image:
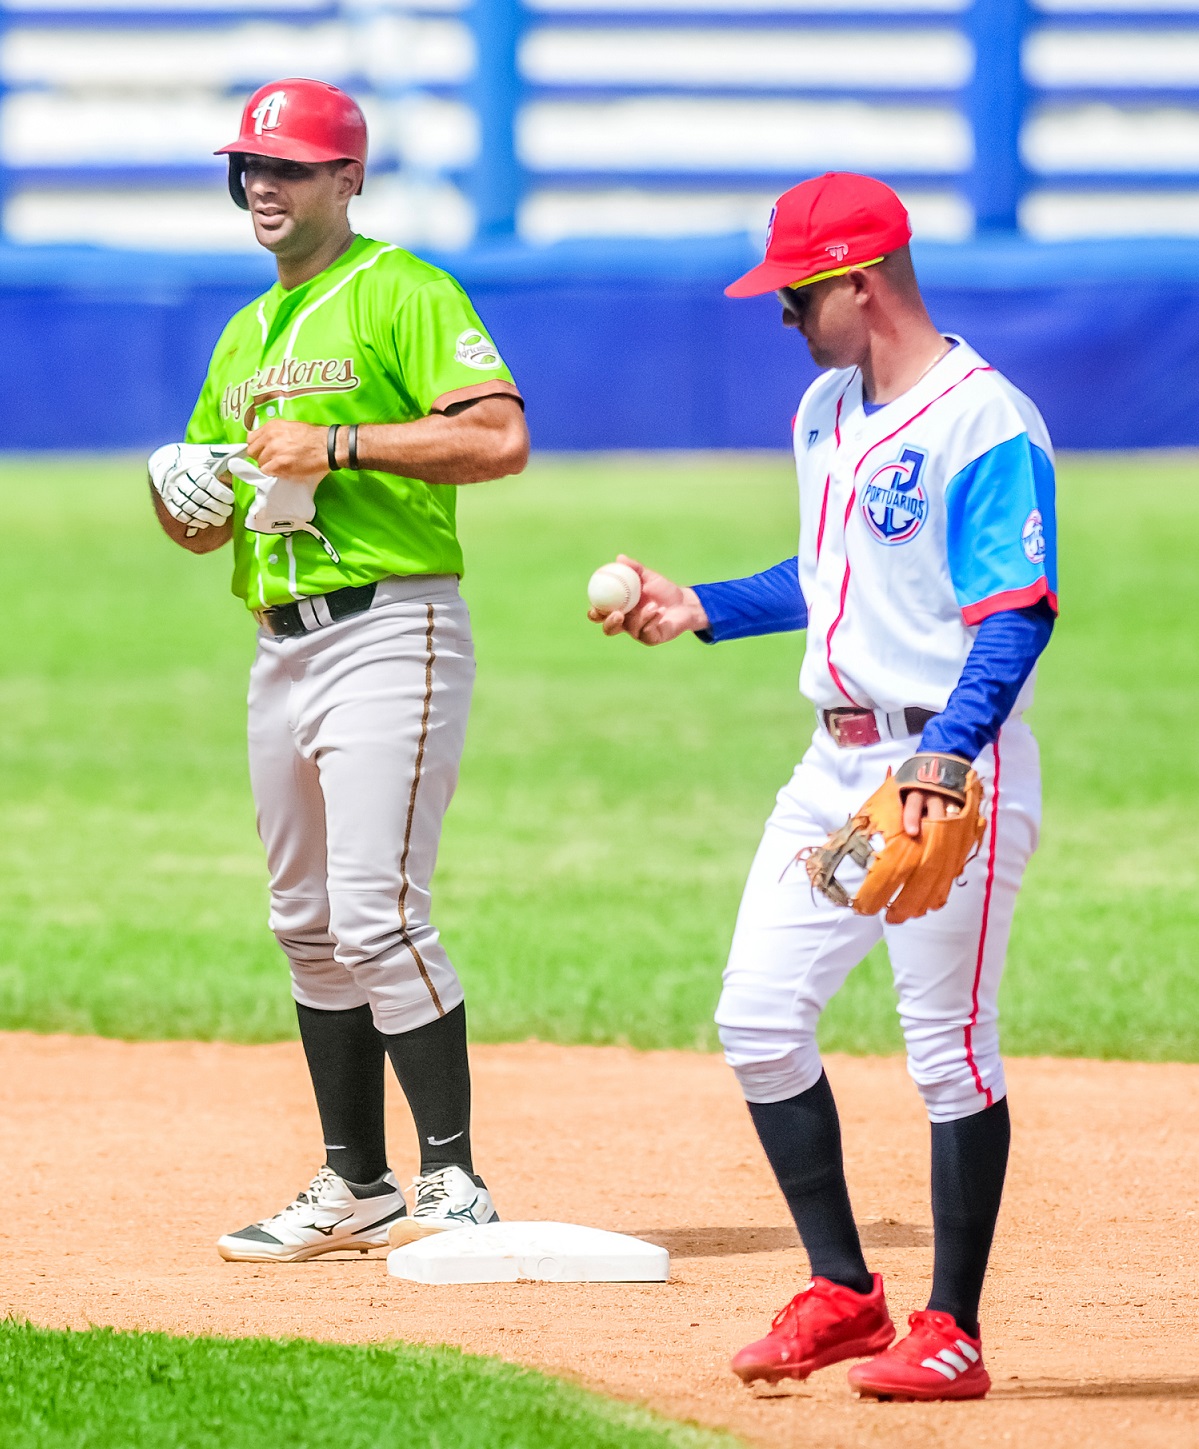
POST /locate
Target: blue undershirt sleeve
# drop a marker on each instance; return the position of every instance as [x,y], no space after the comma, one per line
[1005,649]
[766,603]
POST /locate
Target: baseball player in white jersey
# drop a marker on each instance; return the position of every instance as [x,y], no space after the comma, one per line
[332,405]
[926,580]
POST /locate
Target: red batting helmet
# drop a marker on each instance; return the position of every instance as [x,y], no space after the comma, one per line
[296,120]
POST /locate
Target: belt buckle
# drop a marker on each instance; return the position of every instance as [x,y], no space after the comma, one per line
[852,728]
[266,621]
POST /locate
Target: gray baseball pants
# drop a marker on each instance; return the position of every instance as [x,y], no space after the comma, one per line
[356,732]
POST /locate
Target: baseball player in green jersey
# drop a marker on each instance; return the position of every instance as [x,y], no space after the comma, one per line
[336,408]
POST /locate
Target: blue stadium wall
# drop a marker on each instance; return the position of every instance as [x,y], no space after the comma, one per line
[625,346]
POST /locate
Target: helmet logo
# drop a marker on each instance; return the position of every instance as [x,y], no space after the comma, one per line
[838,251]
[266,113]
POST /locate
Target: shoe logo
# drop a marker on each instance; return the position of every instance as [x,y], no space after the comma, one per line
[464,1214]
[952,1364]
[441,1141]
[326,1231]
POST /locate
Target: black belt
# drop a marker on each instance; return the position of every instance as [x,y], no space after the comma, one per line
[290,621]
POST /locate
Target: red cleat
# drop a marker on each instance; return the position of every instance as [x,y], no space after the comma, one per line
[823,1324]
[936,1361]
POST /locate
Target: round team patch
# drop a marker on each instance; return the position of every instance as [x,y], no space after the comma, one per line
[477,350]
[1032,537]
[894,503]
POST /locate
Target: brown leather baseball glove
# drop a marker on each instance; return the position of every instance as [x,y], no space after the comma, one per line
[905,877]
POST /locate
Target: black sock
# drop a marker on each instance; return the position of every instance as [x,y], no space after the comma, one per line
[802,1139]
[345,1060]
[969,1163]
[434,1072]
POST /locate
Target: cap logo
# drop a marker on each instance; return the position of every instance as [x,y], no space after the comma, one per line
[774,211]
[266,113]
[838,251]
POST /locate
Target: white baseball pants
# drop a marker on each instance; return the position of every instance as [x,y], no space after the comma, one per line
[792,949]
[356,731]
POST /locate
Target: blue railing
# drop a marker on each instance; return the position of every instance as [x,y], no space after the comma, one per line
[997,99]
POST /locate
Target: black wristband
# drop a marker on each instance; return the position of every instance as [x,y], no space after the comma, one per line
[353,445]
[331,446]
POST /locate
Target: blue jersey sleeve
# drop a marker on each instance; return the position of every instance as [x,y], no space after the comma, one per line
[1002,530]
[1001,658]
[766,603]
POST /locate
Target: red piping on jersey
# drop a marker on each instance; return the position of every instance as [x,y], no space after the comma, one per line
[832,669]
[982,367]
[982,937]
[1010,599]
[828,477]
[828,638]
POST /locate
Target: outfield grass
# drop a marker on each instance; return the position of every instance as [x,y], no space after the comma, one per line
[611,796]
[100,1388]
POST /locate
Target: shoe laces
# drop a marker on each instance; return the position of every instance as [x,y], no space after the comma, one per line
[306,1200]
[431,1191]
[810,1304]
[930,1330]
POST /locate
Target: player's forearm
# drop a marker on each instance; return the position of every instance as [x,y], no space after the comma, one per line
[1005,651]
[204,540]
[487,440]
[767,603]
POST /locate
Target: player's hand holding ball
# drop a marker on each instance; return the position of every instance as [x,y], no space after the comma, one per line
[614,587]
[628,598]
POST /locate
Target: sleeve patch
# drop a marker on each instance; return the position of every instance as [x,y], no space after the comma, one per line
[475,349]
[1032,537]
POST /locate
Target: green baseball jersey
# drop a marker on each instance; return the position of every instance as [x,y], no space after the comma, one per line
[378,337]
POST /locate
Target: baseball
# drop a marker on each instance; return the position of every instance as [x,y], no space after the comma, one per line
[614,586]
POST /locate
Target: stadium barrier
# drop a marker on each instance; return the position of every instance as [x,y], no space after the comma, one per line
[622,346]
[1008,125]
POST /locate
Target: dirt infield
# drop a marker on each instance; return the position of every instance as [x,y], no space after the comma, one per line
[125,1162]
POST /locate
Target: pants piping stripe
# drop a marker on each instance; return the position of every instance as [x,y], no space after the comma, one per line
[430,660]
[982,937]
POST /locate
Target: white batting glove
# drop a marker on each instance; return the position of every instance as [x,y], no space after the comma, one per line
[187,477]
[282,505]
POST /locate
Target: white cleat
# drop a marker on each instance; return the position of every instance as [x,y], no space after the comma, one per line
[447,1198]
[327,1217]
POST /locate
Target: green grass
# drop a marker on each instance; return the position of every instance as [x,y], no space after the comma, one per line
[100,1388]
[611,796]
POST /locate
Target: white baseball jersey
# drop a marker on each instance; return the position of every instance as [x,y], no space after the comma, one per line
[918,520]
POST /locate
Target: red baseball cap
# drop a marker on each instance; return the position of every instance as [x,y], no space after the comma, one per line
[823,228]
